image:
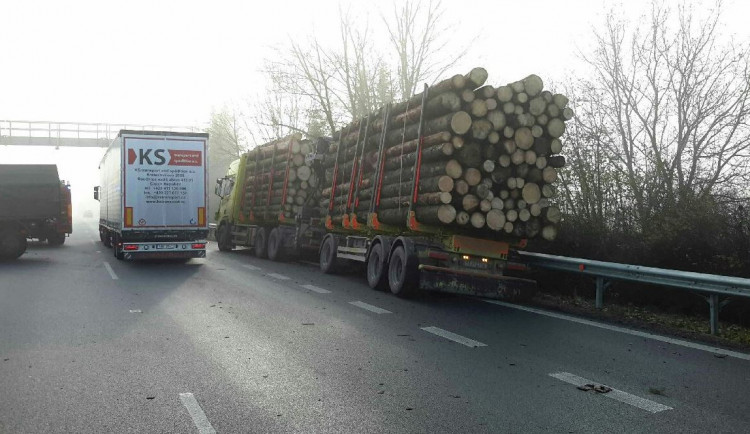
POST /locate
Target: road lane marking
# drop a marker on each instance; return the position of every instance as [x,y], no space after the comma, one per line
[251,267]
[111,271]
[317,289]
[371,308]
[454,337]
[613,328]
[277,276]
[617,395]
[196,413]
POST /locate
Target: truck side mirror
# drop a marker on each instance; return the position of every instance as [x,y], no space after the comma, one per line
[96,193]
[217,189]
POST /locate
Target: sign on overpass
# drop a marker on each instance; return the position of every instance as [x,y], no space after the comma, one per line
[75,134]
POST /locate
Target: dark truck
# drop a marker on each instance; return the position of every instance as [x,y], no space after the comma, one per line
[34,203]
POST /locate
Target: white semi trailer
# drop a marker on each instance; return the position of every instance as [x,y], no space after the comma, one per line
[152,195]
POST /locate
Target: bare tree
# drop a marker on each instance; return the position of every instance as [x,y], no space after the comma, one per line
[672,103]
[419,36]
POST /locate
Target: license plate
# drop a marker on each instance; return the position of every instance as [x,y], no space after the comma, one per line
[166,246]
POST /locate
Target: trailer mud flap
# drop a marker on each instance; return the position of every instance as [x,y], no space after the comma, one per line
[496,287]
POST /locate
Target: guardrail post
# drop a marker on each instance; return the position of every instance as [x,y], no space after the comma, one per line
[714,306]
[601,285]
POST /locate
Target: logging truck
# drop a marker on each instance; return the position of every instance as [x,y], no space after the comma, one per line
[435,192]
[34,203]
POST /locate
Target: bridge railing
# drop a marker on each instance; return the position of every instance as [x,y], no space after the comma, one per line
[55,131]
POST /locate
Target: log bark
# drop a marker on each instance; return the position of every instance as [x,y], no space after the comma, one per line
[411,145]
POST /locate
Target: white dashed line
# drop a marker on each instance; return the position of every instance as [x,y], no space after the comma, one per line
[277,276]
[369,307]
[251,267]
[317,289]
[196,413]
[454,337]
[111,271]
[640,334]
[617,395]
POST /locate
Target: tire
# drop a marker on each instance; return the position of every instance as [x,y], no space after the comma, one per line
[12,245]
[107,238]
[55,239]
[403,279]
[328,259]
[116,250]
[261,243]
[275,245]
[377,269]
[224,238]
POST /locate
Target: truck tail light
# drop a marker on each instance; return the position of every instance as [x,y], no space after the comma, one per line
[199,245]
[129,247]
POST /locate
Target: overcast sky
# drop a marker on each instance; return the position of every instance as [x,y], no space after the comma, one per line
[171,62]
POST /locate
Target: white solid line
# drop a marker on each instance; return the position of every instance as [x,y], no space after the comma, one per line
[613,328]
[251,267]
[618,395]
[317,289]
[111,271]
[369,307]
[454,337]
[196,413]
[278,276]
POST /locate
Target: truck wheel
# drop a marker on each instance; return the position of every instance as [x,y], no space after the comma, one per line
[107,238]
[12,245]
[275,245]
[224,239]
[116,249]
[55,239]
[328,255]
[260,244]
[402,274]
[377,274]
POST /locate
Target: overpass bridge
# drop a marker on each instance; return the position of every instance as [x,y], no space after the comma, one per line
[70,134]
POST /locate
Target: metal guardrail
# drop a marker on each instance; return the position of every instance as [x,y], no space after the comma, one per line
[53,133]
[715,286]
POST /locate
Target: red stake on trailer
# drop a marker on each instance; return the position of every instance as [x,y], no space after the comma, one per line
[411,221]
[286,179]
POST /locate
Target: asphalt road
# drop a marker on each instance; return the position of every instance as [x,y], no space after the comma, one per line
[235,344]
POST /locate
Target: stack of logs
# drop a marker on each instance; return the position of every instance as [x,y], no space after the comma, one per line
[279,179]
[489,160]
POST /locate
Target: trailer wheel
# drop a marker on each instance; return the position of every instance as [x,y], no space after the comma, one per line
[224,238]
[402,275]
[328,255]
[275,245]
[12,245]
[377,273]
[107,240]
[55,239]
[260,247]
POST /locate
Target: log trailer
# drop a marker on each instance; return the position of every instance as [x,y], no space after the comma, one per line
[34,203]
[413,251]
[265,203]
